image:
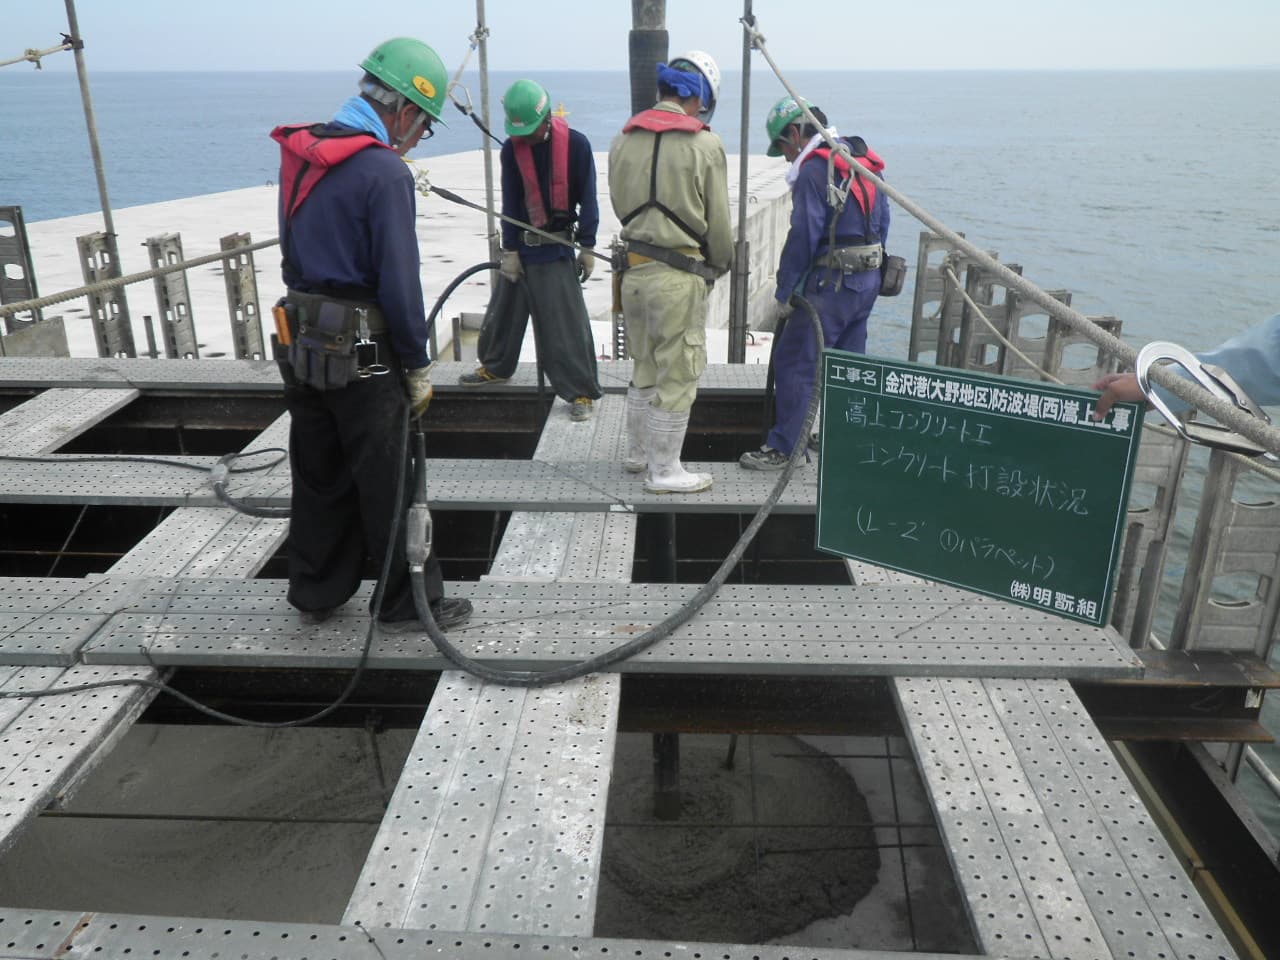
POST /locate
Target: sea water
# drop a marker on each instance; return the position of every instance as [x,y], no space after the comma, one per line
[1153,196]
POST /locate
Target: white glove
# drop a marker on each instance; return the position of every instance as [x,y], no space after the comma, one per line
[417,384]
[586,263]
[510,266]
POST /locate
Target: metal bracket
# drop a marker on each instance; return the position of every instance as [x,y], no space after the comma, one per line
[1214,379]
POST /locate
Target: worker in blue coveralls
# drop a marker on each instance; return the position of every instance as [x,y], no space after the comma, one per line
[1251,358]
[832,257]
[351,265]
[548,182]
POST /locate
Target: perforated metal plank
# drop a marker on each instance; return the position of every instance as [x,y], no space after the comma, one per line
[1022,898]
[490,827]
[258,376]
[57,416]
[452,485]
[44,622]
[138,481]
[542,867]
[1000,909]
[68,935]
[522,853]
[15,679]
[214,541]
[52,743]
[865,574]
[1131,880]
[518,643]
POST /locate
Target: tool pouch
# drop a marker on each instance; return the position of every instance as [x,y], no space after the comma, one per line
[892,274]
[323,353]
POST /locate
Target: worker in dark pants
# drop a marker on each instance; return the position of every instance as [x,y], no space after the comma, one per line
[549,182]
[355,326]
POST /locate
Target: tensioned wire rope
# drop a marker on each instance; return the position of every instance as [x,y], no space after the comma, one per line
[954,281]
[1246,425]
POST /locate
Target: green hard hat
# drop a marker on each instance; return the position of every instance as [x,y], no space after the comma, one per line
[526,104]
[784,113]
[411,69]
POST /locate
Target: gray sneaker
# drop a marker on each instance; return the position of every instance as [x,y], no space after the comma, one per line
[581,409]
[766,458]
[447,612]
[480,378]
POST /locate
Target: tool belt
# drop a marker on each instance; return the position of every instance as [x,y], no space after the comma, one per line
[531,239]
[682,258]
[327,340]
[850,259]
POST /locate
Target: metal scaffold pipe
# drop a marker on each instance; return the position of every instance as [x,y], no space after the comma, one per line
[91,125]
[482,39]
[739,274]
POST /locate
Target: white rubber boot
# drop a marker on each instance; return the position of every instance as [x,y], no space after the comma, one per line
[638,428]
[666,438]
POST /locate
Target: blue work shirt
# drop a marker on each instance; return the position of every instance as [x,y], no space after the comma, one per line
[355,237]
[811,228]
[582,199]
[1252,358]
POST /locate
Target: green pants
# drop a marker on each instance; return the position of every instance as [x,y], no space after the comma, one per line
[666,311]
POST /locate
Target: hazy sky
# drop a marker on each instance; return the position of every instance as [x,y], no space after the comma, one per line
[592,34]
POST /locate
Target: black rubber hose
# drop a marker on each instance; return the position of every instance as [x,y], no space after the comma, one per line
[662,630]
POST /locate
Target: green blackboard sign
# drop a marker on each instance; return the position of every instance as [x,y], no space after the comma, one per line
[1005,487]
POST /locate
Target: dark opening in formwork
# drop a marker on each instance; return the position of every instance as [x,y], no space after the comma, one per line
[818,838]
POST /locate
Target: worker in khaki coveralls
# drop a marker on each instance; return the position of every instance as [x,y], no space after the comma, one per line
[669,187]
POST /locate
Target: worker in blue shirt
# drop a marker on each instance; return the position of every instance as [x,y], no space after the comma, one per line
[832,257]
[354,325]
[548,182]
[1251,358]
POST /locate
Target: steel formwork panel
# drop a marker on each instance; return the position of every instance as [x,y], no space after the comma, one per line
[173,299]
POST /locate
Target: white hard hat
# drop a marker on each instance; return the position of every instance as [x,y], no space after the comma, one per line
[705,65]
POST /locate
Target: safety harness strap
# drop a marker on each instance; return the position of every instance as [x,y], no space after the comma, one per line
[533,200]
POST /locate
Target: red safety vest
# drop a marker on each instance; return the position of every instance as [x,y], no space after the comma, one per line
[660,121]
[866,192]
[533,202]
[308,152]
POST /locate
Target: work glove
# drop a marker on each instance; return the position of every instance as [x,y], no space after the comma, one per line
[586,263]
[510,266]
[417,384]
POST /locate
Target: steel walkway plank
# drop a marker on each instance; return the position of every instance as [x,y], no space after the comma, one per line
[871,630]
[57,416]
[1053,852]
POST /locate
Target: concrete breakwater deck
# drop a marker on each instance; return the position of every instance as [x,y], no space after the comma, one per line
[491,835]
[451,237]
